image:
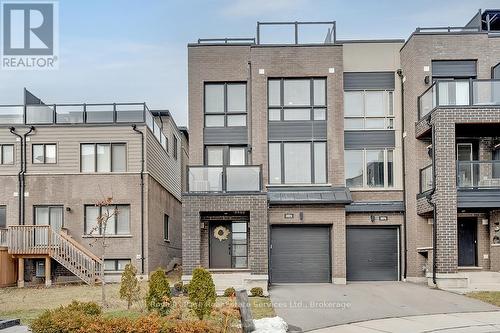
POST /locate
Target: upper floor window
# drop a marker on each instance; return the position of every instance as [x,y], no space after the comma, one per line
[176,149]
[369,168]
[49,215]
[103,157]
[368,110]
[225,104]
[225,155]
[166,227]
[6,154]
[3,217]
[44,153]
[297,99]
[118,224]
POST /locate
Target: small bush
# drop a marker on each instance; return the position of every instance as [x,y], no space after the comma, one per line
[256,292]
[129,287]
[185,288]
[201,293]
[229,292]
[178,286]
[158,297]
[66,319]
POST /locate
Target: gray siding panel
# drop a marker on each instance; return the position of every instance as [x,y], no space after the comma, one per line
[226,135]
[496,72]
[369,139]
[369,80]
[374,206]
[300,254]
[453,68]
[297,130]
[478,198]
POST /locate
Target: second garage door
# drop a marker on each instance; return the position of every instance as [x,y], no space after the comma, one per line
[372,254]
[300,254]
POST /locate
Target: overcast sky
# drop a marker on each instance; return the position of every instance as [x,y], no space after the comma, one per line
[135,51]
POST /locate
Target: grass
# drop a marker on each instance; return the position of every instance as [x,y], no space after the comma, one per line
[492,297]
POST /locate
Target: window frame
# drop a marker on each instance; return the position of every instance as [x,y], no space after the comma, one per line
[386,169]
[311,107]
[166,228]
[247,233]
[175,143]
[44,145]
[387,117]
[50,207]
[4,208]
[225,112]
[116,260]
[312,162]
[226,158]
[99,232]
[2,154]
[111,144]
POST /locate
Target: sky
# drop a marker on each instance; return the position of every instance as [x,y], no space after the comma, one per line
[136,51]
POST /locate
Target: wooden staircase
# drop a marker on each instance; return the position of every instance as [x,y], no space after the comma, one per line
[36,240]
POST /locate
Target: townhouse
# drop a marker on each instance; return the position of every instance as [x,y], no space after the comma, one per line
[58,161]
[309,159]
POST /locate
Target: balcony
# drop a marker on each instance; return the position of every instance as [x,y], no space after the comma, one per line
[426,179]
[478,175]
[453,93]
[224,179]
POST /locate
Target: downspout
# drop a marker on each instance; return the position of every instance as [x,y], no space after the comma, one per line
[19,177]
[430,201]
[405,243]
[23,176]
[249,120]
[134,127]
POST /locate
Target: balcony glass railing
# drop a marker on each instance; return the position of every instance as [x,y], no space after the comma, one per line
[446,93]
[426,179]
[478,174]
[222,179]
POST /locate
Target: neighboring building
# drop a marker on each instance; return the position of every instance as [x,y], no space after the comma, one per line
[59,160]
[296,157]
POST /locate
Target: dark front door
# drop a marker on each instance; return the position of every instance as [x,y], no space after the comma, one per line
[220,245]
[467,240]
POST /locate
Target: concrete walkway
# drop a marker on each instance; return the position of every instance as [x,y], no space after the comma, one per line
[308,307]
[470,322]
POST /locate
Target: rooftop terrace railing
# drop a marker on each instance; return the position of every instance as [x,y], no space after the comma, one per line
[453,93]
[447,29]
[299,31]
[226,40]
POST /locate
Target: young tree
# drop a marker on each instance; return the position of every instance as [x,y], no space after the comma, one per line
[129,287]
[158,297]
[201,293]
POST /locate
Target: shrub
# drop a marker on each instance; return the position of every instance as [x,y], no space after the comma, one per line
[158,297]
[178,286]
[201,293]
[129,288]
[185,288]
[256,292]
[229,292]
[66,319]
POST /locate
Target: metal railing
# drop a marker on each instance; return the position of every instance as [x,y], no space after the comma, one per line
[224,179]
[330,36]
[426,179]
[478,174]
[449,29]
[3,237]
[452,93]
[228,40]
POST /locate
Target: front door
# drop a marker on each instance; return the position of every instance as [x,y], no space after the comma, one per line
[467,241]
[220,244]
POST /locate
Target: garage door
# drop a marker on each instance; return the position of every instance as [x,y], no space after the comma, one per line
[300,254]
[372,254]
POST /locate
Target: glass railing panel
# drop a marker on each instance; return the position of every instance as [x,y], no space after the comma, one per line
[243,179]
[428,101]
[129,113]
[453,93]
[39,114]
[486,92]
[426,179]
[11,114]
[69,114]
[149,120]
[205,179]
[478,174]
[100,113]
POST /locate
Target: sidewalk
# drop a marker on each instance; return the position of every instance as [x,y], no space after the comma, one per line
[470,322]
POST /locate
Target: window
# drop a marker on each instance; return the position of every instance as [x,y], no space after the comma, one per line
[369,168]
[43,153]
[6,154]
[166,235]
[368,110]
[297,163]
[225,104]
[297,99]
[118,224]
[3,217]
[175,143]
[49,215]
[225,155]
[103,157]
[239,251]
[115,265]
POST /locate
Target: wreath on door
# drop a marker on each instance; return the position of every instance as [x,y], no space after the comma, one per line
[221,233]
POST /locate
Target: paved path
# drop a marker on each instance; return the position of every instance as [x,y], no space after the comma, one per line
[16,329]
[470,322]
[315,306]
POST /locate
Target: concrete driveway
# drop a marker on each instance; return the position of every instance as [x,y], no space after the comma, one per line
[312,306]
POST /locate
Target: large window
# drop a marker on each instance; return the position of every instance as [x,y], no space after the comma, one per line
[369,168]
[368,110]
[3,217]
[118,224]
[44,153]
[225,155]
[49,215]
[103,157]
[115,265]
[225,104]
[297,99]
[6,154]
[297,163]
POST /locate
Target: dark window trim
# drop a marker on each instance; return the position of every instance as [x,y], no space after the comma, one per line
[110,157]
[4,208]
[225,153]
[493,71]
[44,153]
[2,153]
[247,232]
[100,212]
[225,113]
[386,169]
[175,143]
[166,228]
[49,207]
[282,107]
[116,264]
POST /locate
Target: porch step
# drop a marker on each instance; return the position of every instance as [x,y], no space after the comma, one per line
[485,277]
